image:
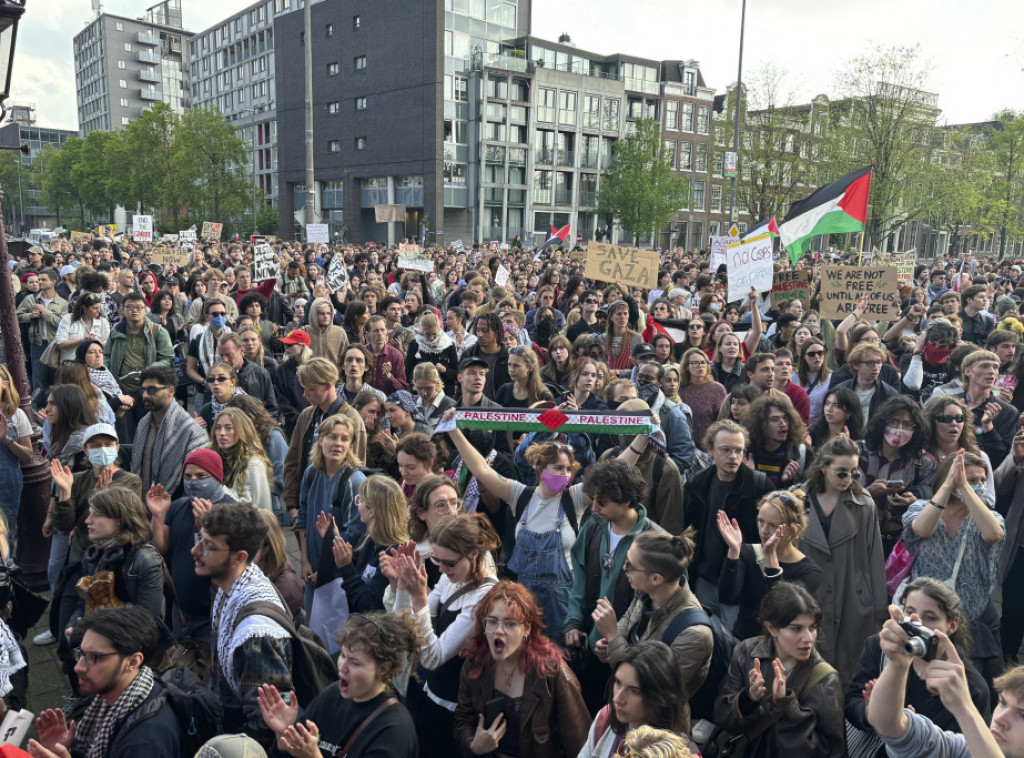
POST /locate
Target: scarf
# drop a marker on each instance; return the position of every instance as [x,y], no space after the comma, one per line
[208,348]
[251,587]
[439,344]
[218,406]
[11,659]
[936,356]
[404,400]
[104,381]
[471,492]
[96,729]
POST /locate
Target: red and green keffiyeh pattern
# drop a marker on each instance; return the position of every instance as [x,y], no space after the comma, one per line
[554,420]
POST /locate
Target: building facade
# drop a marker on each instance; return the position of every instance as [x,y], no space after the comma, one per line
[123,66]
[22,129]
[231,69]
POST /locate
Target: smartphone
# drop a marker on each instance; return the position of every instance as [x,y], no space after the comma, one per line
[492,709]
[896,484]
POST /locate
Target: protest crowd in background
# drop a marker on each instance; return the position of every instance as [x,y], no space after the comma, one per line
[538,513]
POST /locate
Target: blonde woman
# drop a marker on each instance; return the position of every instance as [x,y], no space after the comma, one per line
[15,445]
[434,347]
[430,394]
[699,391]
[527,386]
[382,508]
[247,469]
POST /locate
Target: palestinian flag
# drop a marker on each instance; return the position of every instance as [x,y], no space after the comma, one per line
[675,328]
[554,420]
[763,227]
[836,208]
[558,237]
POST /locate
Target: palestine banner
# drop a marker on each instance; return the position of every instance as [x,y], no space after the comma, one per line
[762,227]
[836,208]
[554,420]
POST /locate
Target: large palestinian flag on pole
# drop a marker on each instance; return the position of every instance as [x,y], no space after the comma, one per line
[836,208]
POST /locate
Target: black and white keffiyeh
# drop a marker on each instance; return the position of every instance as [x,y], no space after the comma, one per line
[96,728]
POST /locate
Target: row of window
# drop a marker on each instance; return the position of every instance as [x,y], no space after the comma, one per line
[334,146]
[358,64]
[685,123]
[685,156]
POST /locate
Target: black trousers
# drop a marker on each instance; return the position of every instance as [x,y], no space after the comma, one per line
[1011,627]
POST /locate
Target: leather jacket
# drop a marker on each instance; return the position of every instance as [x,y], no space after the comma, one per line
[139,575]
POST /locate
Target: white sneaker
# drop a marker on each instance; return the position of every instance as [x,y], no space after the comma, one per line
[44,638]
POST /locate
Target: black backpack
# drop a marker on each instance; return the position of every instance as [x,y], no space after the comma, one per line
[198,710]
[702,702]
[313,669]
[567,505]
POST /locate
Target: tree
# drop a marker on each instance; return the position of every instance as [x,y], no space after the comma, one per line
[883,114]
[56,191]
[15,180]
[1005,198]
[638,188]
[146,151]
[954,183]
[98,170]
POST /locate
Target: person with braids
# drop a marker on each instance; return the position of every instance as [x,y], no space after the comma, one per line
[939,608]
[461,547]
[248,473]
[509,661]
[655,567]
[843,539]
[375,647]
[751,570]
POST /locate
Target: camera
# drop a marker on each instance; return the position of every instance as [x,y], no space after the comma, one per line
[923,642]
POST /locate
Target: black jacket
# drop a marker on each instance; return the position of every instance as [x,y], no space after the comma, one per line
[883,391]
[255,380]
[288,392]
[158,738]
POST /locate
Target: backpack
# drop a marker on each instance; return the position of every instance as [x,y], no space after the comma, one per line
[198,710]
[313,669]
[702,702]
[567,506]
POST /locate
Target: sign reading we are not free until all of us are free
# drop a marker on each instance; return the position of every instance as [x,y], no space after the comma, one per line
[842,286]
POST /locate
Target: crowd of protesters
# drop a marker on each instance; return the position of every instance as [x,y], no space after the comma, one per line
[812,551]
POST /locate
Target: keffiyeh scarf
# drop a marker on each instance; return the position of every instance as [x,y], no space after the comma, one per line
[104,381]
[97,726]
[439,344]
[218,406]
[11,659]
[404,400]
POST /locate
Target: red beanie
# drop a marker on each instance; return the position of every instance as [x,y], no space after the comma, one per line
[208,460]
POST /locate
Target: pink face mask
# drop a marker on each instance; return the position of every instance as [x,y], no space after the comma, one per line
[555,482]
[897,437]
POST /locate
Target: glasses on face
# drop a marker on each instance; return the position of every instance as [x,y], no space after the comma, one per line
[206,547]
[907,426]
[948,418]
[134,308]
[150,391]
[217,379]
[508,626]
[445,506]
[447,564]
[629,568]
[814,353]
[695,327]
[871,364]
[90,658]
[590,301]
[697,364]
[213,314]
[843,474]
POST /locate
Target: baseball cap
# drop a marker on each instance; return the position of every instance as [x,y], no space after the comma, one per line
[96,430]
[231,746]
[298,337]
[68,269]
[472,360]
[643,349]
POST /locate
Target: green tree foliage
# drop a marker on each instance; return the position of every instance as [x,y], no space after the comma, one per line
[638,188]
[97,172]
[1004,200]
[56,191]
[208,161]
[16,180]
[954,183]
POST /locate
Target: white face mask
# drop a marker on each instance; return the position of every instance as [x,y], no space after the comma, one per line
[102,457]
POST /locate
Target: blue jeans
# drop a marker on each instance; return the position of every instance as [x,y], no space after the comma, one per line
[42,375]
[59,544]
[539,563]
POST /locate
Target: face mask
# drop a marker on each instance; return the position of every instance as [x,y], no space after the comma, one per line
[713,307]
[102,457]
[897,437]
[218,322]
[555,482]
[207,489]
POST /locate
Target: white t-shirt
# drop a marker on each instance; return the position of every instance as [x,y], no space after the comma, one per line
[542,514]
[20,422]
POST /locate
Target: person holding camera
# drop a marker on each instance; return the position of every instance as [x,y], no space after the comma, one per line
[907,734]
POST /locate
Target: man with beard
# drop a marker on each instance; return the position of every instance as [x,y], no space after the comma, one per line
[110,668]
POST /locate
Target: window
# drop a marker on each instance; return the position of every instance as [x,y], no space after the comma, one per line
[333,69]
[123,83]
[716,198]
[360,103]
[567,108]
[127,47]
[670,152]
[461,89]
[672,114]
[497,88]
[686,156]
[359,62]
[355,23]
[124,120]
[333,146]
[360,143]
[701,157]
[687,123]
[703,120]
[333,108]
[592,112]
[697,195]
[121,65]
[546,101]
[610,120]
[690,83]
[119,26]
[329,30]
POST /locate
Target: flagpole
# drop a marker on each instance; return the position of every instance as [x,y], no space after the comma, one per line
[863,234]
[736,115]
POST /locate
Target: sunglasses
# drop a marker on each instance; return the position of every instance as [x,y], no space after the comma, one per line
[947,418]
[844,475]
[442,562]
[814,353]
[517,351]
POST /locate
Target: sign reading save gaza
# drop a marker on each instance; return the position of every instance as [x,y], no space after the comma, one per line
[630,265]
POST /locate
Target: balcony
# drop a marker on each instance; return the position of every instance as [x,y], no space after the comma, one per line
[494,154]
[546,156]
[542,197]
[505,62]
[450,151]
[588,160]
[496,112]
[149,76]
[517,197]
[565,157]
[147,56]
[516,157]
[588,198]
[151,93]
[147,38]
[639,85]
[563,197]
[494,195]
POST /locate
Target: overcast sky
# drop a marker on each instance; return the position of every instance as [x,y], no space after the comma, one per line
[976,57]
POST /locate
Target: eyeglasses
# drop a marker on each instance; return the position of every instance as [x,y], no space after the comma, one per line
[211,314]
[947,418]
[814,353]
[871,364]
[844,475]
[508,626]
[517,351]
[153,390]
[697,364]
[134,309]
[217,379]
[206,547]
[369,621]
[629,568]
[590,301]
[695,327]
[444,506]
[447,564]
[91,659]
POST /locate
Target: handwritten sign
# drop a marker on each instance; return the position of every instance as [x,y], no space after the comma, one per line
[749,264]
[905,264]
[415,263]
[337,274]
[108,230]
[170,256]
[719,244]
[318,233]
[409,250]
[791,285]
[212,230]
[459,246]
[842,285]
[501,276]
[187,236]
[616,263]
[142,228]
[263,266]
[80,238]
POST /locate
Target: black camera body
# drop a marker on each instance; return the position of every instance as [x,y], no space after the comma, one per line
[923,642]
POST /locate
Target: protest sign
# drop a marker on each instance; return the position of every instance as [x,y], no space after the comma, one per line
[212,230]
[80,238]
[168,238]
[318,233]
[501,276]
[719,243]
[409,250]
[494,245]
[263,266]
[107,230]
[388,214]
[187,235]
[337,274]
[905,263]
[617,263]
[842,285]
[170,256]
[750,265]
[577,254]
[415,262]
[458,246]
[791,285]
[142,228]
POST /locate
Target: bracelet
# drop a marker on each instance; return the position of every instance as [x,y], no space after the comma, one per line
[913,354]
[633,450]
[933,503]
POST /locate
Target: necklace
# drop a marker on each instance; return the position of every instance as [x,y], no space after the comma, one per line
[508,677]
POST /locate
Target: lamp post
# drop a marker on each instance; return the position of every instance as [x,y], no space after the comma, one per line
[736,117]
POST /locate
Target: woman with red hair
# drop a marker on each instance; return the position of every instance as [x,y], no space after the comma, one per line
[519,679]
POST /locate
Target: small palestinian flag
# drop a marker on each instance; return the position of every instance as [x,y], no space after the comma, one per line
[675,328]
[836,208]
[554,420]
[762,227]
[558,237]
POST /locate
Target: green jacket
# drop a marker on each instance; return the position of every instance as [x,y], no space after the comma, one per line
[54,312]
[159,351]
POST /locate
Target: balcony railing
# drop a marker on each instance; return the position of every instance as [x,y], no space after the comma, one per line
[506,62]
[563,197]
[151,93]
[147,56]
[516,157]
[517,197]
[149,76]
[565,157]
[494,195]
[494,154]
[542,197]
[546,156]
[588,199]
[588,160]
[147,38]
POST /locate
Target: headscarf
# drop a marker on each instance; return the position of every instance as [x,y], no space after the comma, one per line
[404,400]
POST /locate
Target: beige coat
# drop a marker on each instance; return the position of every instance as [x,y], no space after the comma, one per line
[329,343]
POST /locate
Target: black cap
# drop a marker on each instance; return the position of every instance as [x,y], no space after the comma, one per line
[472,360]
[643,349]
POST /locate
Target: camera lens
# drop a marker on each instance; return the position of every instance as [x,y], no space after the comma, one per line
[915,646]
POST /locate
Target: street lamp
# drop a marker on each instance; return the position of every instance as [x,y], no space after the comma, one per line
[736,115]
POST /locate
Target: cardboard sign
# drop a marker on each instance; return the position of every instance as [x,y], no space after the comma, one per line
[749,264]
[108,230]
[719,244]
[459,246]
[170,256]
[409,250]
[790,285]
[501,276]
[318,233]
[337,274]
[419,263]
[905,264]
[842,285]
[187,235]
[263,266]
[212,230]
[168,238]
[617,263]
[389,214]
[80,238]
[142,228]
